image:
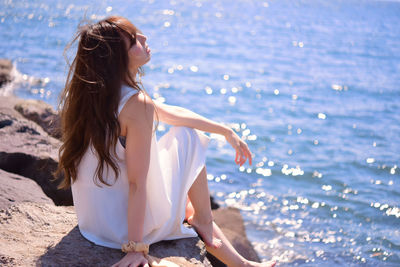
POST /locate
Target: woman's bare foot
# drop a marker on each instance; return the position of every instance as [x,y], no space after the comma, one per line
[205,231]
[262,264]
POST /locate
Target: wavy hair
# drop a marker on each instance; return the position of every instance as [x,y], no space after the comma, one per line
[89,102]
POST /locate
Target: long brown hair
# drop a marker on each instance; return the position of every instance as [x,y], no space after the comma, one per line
[89,101]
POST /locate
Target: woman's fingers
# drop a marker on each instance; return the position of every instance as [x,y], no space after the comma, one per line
[131,261]
[242,159]
[237,157]
[242,153]
[248,153]
[245,154]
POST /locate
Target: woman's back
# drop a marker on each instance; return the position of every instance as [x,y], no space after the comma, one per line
[175,162]
[101,211]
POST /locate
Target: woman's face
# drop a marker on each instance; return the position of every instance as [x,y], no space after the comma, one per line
[138,52]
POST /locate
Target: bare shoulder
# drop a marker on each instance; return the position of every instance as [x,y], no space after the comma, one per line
[137,112]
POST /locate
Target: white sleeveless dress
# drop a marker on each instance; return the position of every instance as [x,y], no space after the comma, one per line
[175,162]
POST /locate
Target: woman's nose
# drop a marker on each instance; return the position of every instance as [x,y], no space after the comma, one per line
[142,37]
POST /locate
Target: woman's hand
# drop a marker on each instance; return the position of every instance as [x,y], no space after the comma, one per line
[242,150]
[132,259]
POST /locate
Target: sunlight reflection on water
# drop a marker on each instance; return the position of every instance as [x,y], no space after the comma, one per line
[315,96]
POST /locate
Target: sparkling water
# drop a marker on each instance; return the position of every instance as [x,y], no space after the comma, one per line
[312,86]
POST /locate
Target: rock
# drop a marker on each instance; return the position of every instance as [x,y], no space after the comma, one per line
[33,234]
[231,223]
[41,113]
[5,71]
[176,250]
[214,204]
[15,189]
[27,150]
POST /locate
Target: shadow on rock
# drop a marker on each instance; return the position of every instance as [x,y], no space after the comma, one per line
[75,250]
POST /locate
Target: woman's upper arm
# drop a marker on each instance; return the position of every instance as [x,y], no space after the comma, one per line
[138,120]
[166,113]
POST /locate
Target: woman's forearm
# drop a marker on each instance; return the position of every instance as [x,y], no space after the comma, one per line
[136,212]
[179,116]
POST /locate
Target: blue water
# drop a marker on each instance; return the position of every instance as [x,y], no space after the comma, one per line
[313,86]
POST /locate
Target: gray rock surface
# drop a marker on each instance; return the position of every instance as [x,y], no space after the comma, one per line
[41,113]
[26,149]
[47,235]
[15,189]
[5,71]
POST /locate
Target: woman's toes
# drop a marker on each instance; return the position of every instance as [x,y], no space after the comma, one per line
[268,264]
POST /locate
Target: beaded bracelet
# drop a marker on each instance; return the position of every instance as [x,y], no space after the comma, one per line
[135,246]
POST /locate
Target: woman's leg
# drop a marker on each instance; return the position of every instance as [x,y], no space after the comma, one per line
[200,217]
[229,255]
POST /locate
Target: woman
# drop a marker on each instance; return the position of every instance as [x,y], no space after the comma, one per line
[129,189]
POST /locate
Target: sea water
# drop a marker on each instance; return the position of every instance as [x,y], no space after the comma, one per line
[312,86]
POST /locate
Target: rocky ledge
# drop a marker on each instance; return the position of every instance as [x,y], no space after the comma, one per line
[5,71]
[38,224]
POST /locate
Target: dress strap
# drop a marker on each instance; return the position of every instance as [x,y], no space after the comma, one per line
[126,93]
